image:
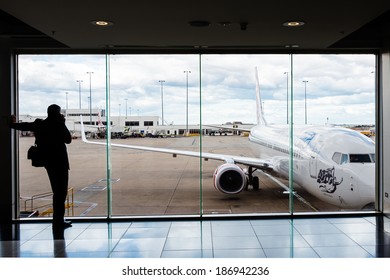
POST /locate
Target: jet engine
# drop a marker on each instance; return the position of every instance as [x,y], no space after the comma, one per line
[229,178]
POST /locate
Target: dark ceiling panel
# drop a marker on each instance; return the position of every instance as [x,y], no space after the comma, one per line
[372,35]
[155,24]
[23,35]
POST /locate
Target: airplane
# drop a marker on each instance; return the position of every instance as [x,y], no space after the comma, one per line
[334,164]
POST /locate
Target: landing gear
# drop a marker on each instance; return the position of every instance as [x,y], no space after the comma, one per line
[255,183]
[253,180]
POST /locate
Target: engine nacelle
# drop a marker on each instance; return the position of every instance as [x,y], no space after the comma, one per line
[229,178]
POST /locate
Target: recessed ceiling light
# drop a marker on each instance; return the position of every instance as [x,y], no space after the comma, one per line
[102,23]
[293,23]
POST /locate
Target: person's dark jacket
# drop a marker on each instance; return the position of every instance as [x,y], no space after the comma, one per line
[51,135]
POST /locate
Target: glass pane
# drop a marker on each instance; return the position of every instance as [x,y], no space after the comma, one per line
[152,106]
[246,138]
[170,102]
[334,128]
[77,84]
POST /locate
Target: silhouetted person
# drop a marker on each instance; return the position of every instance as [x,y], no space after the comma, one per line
[51,135]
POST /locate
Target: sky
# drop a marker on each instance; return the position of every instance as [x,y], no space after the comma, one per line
[340,89]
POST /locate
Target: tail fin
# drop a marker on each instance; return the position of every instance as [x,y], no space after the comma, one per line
[100,124]
[82,129]
[259,105]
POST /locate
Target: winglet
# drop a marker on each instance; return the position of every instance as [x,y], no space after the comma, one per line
[259,106]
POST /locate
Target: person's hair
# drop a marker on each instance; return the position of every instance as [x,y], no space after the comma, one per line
[53,110]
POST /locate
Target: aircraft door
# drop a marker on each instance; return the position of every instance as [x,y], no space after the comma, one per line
[313,167]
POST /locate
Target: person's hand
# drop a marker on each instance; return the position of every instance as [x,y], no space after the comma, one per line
[13,119]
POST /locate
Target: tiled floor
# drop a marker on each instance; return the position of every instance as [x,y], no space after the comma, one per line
[357,237]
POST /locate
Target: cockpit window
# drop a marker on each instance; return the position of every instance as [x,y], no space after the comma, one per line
[340,158]
[344,159]
[336,157]
[362,158]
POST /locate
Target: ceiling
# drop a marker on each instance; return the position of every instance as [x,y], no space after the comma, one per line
[243,24]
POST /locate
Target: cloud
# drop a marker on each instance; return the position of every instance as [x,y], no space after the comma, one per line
[339,86]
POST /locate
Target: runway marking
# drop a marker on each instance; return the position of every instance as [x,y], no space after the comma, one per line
[94,188]
[89,209]
[97,187]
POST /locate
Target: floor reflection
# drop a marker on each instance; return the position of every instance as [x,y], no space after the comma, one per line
[59,243]
[351,237]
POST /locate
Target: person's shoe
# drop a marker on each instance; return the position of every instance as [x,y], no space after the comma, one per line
[64,224]
[67,224]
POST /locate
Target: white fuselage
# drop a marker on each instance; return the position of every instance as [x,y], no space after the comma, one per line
[337,165]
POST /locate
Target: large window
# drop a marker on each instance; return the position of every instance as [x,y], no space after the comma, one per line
[205,134]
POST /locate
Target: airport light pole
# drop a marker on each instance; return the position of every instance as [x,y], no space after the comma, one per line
[187,72]
[126,107]
[66,94]
[305,102]
[286,73]
[79,81]
[90,97]
[162,101]
[119,121]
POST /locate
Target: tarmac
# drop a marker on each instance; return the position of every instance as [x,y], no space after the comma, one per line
[155,184]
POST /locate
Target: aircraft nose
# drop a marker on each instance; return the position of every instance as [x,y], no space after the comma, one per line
[366,182]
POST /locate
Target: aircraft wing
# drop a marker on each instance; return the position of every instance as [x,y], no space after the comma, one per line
[229,128]
[252,162]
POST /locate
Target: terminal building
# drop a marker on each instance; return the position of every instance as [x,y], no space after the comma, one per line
[134,125]
[197,225]
[96,117]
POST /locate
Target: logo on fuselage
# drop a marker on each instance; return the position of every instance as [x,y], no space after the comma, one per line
[327,180]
